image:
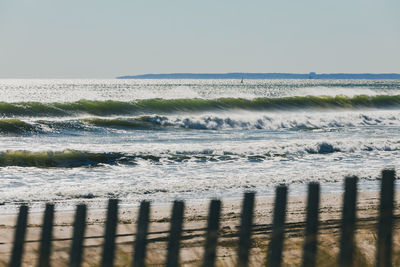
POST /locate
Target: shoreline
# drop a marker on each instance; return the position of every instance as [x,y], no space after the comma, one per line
[100,203]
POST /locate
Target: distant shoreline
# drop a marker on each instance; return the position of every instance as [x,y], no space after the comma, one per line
[242,75]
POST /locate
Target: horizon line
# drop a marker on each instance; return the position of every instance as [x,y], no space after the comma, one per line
[210,73]
[260,75]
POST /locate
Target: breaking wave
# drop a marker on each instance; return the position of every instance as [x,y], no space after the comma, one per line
[15,126]
[166,106]
[76,158]
[66,158]
[273,122]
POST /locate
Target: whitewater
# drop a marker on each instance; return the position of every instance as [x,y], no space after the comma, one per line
[71,141]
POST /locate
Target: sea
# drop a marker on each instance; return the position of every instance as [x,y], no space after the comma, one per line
[87,140]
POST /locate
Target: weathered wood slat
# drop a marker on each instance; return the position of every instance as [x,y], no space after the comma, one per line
[19,237]
[385,221]
[47,230]
[348,222]
[210,248]
[110,231]
[175,234]
[76,252]
[246,225]
[141,235]
[274,258]
[311,231]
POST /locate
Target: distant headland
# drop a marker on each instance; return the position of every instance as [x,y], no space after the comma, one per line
[242,75]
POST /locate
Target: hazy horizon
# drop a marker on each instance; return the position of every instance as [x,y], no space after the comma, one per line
[100,39]
[122,76]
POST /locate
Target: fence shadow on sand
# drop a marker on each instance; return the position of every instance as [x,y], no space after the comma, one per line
[276,237]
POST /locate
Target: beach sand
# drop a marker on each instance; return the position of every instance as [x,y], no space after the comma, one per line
[193,235]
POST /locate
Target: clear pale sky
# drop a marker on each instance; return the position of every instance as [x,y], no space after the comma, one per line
[104,39]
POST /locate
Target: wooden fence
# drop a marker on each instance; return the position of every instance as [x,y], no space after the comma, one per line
[275,248]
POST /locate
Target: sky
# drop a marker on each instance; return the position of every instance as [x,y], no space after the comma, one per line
[105,39]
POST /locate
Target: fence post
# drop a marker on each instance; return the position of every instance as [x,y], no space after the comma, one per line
[311,232]
[110,231]
[47,230]
[246,225]
[175,234]
[75,259]
[385,224]
[19,237]
[139,256]
[275,247]
[348,222]
[212,233]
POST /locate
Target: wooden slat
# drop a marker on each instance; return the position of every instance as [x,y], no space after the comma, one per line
[76,252]
[212,233]
[19,237]
[47,230]
[110,231]
[348,222]
[311,231]
[141,235]
[175,234]
[385,223]
[274,258]
[246,225]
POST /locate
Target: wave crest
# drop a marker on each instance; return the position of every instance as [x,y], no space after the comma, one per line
[66,158]
[166,106]
[272,122]
[76,158]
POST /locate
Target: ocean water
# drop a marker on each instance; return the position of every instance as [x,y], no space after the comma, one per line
[70,141]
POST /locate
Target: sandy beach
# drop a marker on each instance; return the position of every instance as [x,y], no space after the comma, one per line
[194,224]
